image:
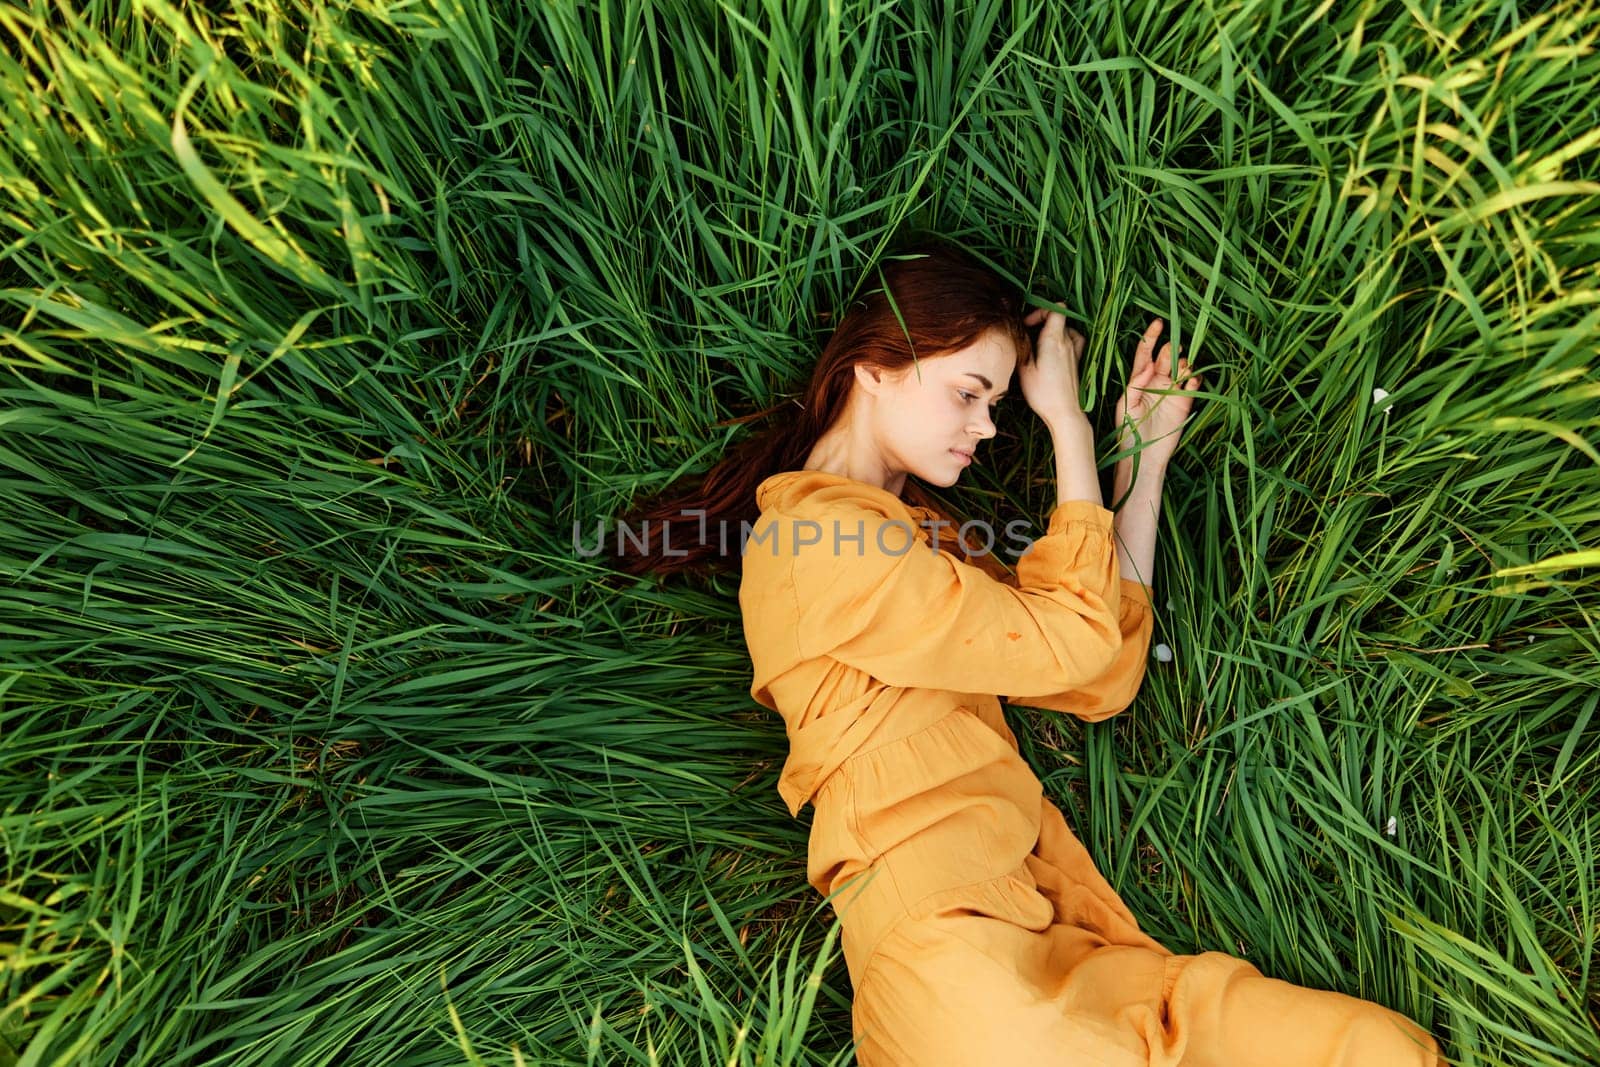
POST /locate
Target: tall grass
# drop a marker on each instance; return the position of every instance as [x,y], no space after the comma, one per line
[321,324]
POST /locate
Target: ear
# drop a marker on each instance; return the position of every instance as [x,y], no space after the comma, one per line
[871,377]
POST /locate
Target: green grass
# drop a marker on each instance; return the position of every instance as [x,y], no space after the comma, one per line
[320,325]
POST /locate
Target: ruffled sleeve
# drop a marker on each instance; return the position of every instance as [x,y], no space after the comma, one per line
[891,607]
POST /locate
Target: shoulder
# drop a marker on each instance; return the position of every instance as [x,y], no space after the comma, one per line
[813,520]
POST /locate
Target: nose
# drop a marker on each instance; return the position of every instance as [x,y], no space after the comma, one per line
[982,425]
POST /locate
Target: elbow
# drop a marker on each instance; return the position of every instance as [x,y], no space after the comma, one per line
[1122,676]
[1087,657]
[1114,700]
[1108,691]
[1106,651]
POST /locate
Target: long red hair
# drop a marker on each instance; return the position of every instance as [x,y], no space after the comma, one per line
[943,299]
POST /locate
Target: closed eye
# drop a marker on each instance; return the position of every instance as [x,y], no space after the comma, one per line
[967,398]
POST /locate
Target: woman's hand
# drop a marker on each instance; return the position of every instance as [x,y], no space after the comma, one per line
[1152,419]
[1144,414]
[1050,381]
[1050,384]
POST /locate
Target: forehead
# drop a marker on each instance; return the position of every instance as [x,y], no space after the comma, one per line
[991,355]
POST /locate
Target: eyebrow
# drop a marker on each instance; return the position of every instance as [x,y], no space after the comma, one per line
[987,384]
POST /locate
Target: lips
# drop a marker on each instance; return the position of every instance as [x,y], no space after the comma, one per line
[963,454]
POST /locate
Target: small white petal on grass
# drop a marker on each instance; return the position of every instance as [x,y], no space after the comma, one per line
[1378,397]
[1164,653]
[1393,826]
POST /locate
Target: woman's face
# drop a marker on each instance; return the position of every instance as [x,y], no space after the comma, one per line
[925,416]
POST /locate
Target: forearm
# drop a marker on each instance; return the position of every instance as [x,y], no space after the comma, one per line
[1076,478]
[1137,520]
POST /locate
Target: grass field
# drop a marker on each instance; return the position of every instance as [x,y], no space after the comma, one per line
[322,323]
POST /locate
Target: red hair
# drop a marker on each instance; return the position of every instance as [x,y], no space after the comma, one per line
[943,300]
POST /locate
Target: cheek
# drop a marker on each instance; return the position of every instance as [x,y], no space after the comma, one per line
[928,415]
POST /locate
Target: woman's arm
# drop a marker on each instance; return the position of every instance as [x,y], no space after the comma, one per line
[1134,540]
[1050,384]
[1150,418]
[1073,438]
[1138,519]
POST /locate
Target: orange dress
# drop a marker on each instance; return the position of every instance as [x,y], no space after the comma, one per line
[975,926]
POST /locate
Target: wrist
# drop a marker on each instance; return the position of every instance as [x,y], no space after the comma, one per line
[1069,424]
[1151,479]
[1150,471]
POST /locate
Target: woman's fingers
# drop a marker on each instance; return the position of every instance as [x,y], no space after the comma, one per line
[1039,314]
[1187,377]
[1147,345]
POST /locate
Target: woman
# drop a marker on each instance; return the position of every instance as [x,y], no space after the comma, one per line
[975,927]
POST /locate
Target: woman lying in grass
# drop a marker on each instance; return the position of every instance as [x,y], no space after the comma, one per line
[976,928]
